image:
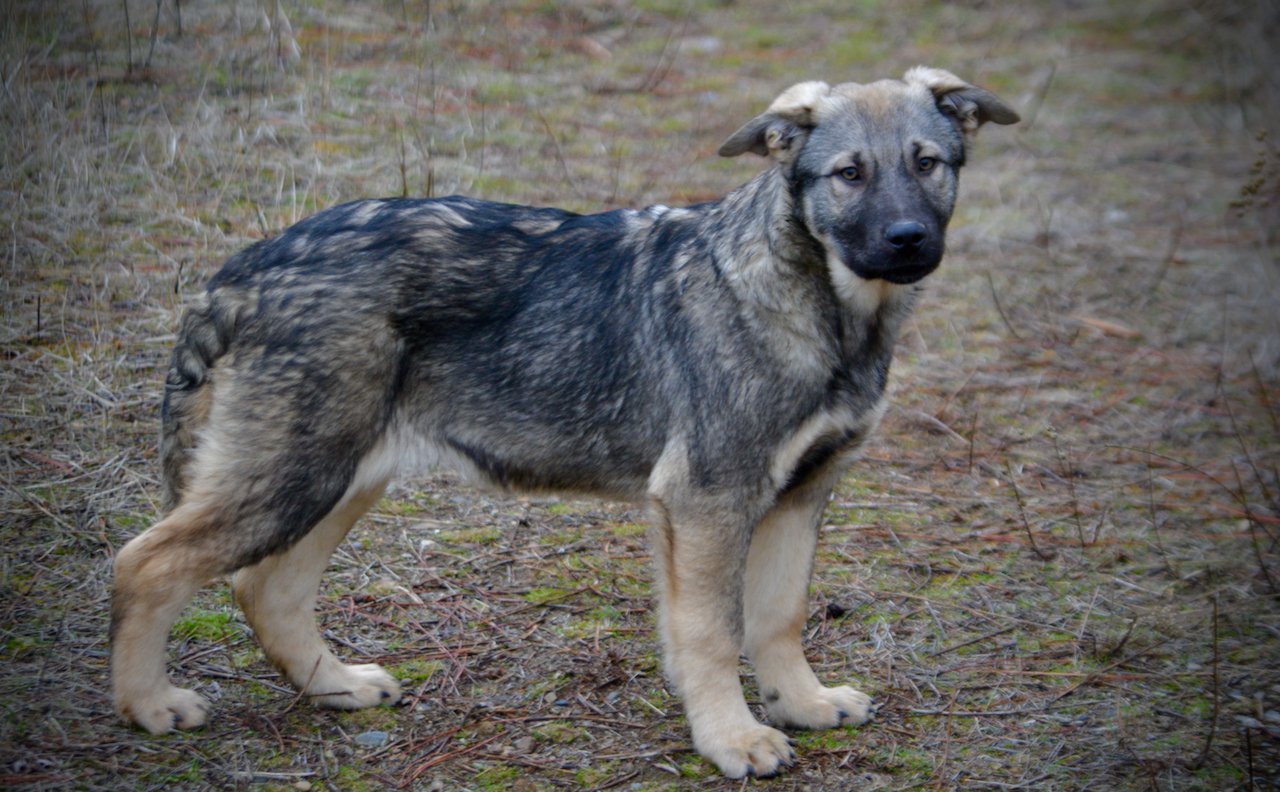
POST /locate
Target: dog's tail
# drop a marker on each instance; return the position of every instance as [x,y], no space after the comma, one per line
[208,327]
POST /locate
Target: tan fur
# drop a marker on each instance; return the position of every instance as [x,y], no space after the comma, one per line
[775,605]
[278,595]
[156,574]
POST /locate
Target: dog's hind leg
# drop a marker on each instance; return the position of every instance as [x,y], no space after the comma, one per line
[775,599]
[278,595]
[156,574]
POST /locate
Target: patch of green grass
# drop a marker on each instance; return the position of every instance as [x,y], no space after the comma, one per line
[351,779]
[260,692]
[212,626]
[821,740]
[558,732]
[599,620]
[484,535]
[496,777]
[191,773]
[561,538]
[595,775]
[697,768]
[544,595]
[630,529]
[21,645]
[380,718]
[415,672]
[396,507]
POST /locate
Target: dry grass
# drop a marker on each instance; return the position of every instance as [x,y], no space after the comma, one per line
[1058,569]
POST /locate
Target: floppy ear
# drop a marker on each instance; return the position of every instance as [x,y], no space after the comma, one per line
[779,131]
[968,105]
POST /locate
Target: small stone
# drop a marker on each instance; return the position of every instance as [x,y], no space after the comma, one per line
[372,739]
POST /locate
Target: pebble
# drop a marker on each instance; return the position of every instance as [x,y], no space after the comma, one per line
[372,739]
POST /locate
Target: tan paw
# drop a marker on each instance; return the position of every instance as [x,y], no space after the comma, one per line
[165,709]
[339,686]
[758,751]
[821,708]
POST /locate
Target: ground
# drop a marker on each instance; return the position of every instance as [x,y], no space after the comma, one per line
[1058,566]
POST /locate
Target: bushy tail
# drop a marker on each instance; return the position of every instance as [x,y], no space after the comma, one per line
[208,327]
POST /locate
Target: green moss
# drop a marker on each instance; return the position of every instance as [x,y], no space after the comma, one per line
[399,508]
[594,776]
[496,777]
[544,595]
[415,672]
[22,645]
[212,626]
[350,779]
[482,536]
[630,529]
[379,718]
[559,732]
[697,768]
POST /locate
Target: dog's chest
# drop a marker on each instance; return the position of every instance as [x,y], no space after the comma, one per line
[830,436]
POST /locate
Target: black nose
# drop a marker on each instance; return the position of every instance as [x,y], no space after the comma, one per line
[906,234]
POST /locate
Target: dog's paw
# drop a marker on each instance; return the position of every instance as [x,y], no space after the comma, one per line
[822,708]
[759,751]
[339,686]
[161,711]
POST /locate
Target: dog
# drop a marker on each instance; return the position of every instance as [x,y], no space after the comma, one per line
[722,362]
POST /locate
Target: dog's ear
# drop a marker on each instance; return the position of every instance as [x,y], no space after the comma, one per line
[780,131]
[968,105]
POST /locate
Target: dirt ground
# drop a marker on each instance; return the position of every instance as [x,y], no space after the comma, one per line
[1058,566]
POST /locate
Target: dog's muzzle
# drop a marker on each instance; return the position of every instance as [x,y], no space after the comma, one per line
[906,251]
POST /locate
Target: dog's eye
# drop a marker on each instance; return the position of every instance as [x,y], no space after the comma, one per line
[850,174]
[926,164]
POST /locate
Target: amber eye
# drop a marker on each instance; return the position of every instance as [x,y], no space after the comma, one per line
[850,174]
[926,164]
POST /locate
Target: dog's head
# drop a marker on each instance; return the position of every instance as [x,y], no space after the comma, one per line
[874,167]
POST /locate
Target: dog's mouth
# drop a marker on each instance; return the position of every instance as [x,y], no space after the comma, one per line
[893,269]
[903,274]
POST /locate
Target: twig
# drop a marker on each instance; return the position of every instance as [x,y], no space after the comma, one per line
[1022,511]
[555,143]
[1213,723]
[1124,639]
[128,38]
[940,772]
[937,424]
[155,27]
[1069,477]
[1041,92]
[416,772]
[1000,309]
[1155,522]
[1263,397]
[979,639]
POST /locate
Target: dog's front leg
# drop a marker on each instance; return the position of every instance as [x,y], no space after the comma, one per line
[776,603]
[700,558]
